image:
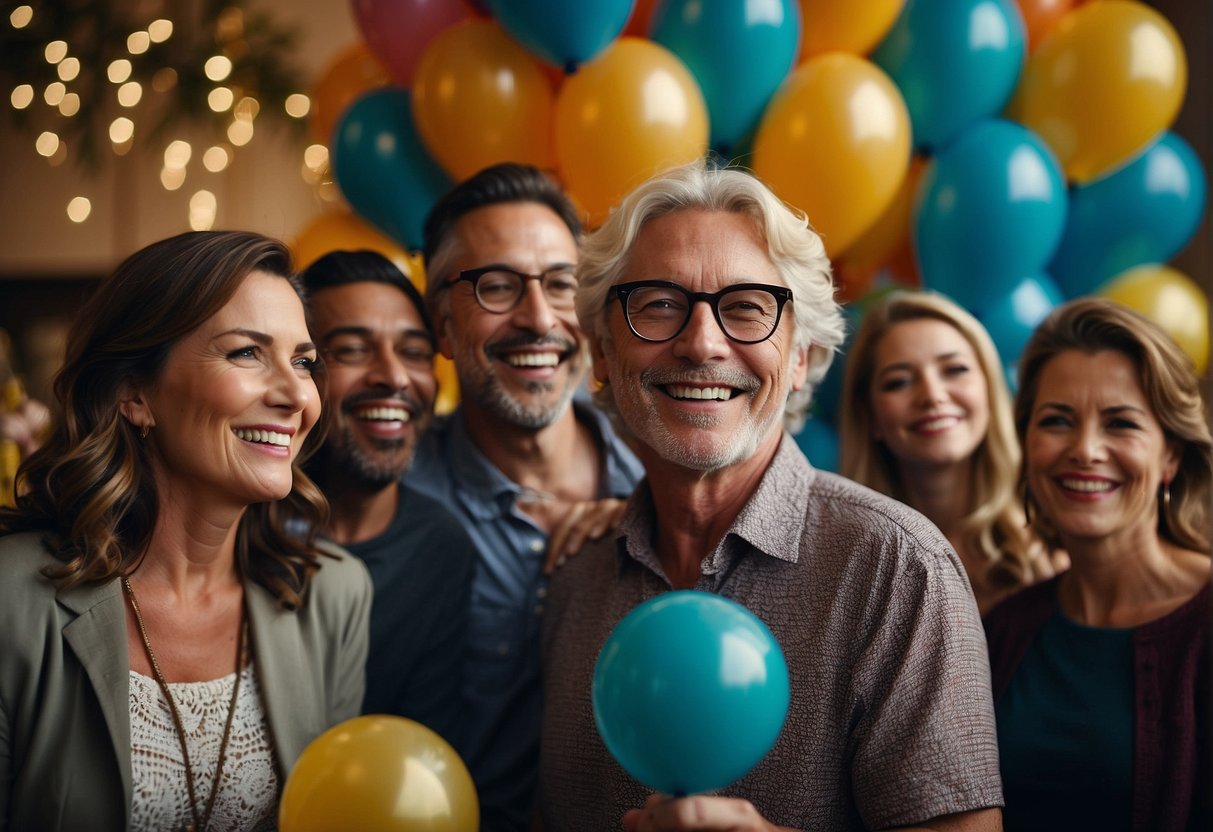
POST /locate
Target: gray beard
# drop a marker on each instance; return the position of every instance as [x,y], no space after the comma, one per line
[494,399]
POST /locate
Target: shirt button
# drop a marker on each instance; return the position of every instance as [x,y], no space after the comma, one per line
[503,648]
[542,592]
[536,545]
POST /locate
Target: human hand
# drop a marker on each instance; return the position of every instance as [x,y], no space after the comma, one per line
[699,812]
[585,521]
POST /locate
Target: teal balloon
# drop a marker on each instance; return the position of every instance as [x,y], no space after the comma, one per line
[819,442]
[689,692]
[1145,212]
[955,61]
[1013,317]
[566,33]
[990,209]
[738,50]
[382,168]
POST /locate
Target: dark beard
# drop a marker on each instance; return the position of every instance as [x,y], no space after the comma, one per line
[348,458]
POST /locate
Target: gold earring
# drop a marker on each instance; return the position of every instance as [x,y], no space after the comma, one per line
[144,431]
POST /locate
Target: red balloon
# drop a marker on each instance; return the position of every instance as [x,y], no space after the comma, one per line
[398,30]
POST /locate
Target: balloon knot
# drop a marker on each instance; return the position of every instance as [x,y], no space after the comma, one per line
[570,67]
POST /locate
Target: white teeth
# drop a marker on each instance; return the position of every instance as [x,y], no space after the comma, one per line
[937,423]
[1089,486]
[533,359]
[721,393]
[265,437]
[384,414]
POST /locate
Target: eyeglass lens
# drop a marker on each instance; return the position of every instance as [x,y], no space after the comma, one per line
[500,290]
[658,313]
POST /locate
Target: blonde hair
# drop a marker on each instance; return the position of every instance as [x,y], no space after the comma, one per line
[994,526]
[794,248]
[1092,325]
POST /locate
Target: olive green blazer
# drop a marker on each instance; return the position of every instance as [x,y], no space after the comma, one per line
[64,684]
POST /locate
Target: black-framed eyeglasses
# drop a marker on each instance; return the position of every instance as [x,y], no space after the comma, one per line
[499,289]
[657,310]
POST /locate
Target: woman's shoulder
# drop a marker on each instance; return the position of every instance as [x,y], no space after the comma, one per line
[341,575]
[23,557]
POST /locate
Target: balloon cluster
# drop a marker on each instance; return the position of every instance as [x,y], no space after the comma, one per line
[1008,153]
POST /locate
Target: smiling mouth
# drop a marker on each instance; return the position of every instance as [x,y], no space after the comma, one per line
[532,359]
[1087,486]
[383,414]
[936,423]
[680,391]
[263,437]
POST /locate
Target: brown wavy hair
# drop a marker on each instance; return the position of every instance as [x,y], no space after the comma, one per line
[1092,325]
[994,524]
[90,487]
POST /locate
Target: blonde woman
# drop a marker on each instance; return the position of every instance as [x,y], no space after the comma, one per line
[929,423]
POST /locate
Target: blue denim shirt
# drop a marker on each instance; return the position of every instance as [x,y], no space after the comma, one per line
[502,687]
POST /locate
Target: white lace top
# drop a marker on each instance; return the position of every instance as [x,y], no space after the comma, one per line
[248,790]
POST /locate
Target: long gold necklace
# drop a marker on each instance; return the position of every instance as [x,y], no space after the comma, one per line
[201,823]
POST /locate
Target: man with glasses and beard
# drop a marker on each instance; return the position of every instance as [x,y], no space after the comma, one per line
[372,331]
[710,311]
[521,460]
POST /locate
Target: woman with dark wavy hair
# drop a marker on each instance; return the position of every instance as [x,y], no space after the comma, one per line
[1101,677]
[168,643]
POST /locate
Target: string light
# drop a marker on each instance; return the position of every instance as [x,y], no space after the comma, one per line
[172,178]
[297,105]
[164,79]
[22,96]
[70,105]
[220,99]
[118,71]
[217,67]
[54,93]
[316,157]
[216,159]
[138,42]
[130,93]
[203,207]
[56,51]
[68,69]
[21,16]
[177,154]
[79,208]
[47,143]
[122,130]
[160,30]
[240,133]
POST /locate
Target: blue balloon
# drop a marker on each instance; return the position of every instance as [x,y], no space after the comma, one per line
[690,692]
[563,33]
[738,50]
[1145,212]
[990,209]
[382,168]
[1012,319]
[819,442]
[955,62]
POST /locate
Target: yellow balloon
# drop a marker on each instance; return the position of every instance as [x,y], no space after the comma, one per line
[448,385]
[831,26]
[346,231]
[479,98]
[633,111]
[1172,300]
[835,143]
[379,774]
[1103,84]
[892,229]
[354,71]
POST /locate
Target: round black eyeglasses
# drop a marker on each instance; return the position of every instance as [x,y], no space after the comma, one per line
[657,310]
[499,289]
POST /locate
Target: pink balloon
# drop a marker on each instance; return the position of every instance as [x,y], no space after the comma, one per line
[397,31]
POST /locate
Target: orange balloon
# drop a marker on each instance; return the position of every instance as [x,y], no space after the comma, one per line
[479,98]
[354,71]
[833,26]
[891,231]
[1172,300]
[379,774]
[835,142]
[1041,16]
[1107,81]
[641,19]
[346,231]
[631,112]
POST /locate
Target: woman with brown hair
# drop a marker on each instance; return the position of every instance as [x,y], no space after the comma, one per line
[1101,676]
[929,423]
[169,640]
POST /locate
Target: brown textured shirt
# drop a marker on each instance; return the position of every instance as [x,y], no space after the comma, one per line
[890,721]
